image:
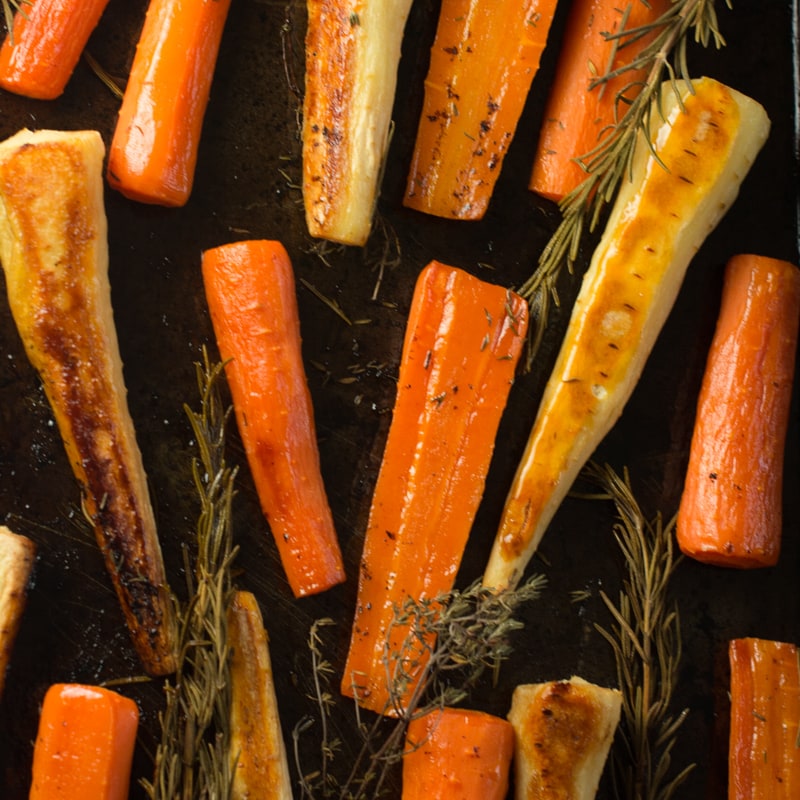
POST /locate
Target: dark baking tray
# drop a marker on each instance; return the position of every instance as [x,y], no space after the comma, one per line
[246,186]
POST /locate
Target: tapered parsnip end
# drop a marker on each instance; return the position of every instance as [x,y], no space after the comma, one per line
[54,251]
[352,54]
[17,554]
[563,732]
[702,144]
[257,753]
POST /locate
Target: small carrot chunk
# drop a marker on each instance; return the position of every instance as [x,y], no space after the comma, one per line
[84,746]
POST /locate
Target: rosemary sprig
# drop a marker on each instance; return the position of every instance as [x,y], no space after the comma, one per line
[9,8]
[191,760]
[665,57]
[646,641]
[453,641]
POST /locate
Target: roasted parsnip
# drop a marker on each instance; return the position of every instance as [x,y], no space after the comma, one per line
[54,251]
[352,53]
[703,141]
[563,731]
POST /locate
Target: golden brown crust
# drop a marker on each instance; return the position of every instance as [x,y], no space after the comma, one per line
[54,253]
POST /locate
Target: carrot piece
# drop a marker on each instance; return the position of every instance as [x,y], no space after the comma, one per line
[462,344]
[707,139]
[455,753]
[40,52]
[484,58]
[153,153]
[352,53]
[84,746]
[731,508]
[250,291]
[763,756]
[576,118]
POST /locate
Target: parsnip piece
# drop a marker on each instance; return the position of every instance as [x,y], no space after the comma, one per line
[352,54]
[706,143]
[54,250]
[563,733]
[17,554]
[257,750]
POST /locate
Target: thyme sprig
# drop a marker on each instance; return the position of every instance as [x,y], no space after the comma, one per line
[191,759]
[453,640]
[665,58]
[646,641]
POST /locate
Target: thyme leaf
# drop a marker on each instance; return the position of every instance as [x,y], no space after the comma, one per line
[664,58]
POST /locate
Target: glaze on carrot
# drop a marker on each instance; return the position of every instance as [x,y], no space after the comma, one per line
[576,118]
[250,290]
[84,746]
[484,58]
[462,343]
[731,508]
[153,153]
[457,753]
[763,755]
[40,52]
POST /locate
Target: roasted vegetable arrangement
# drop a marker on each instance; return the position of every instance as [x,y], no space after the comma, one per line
[238,658]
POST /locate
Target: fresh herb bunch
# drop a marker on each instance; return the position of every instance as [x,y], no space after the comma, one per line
[646,641]
[665,58]
[191,760]
[454,639]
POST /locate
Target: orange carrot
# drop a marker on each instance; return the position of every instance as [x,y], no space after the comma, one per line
[764,757]
[576,118]
[730,511]
[46,40]
[250,291]
[154,149]
[455,753]
[84,746]
[484,58]
[462,343]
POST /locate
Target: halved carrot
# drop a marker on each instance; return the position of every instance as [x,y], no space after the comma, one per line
[462,344]
[40,52]
[457,753]
[153,153]
[250,291]
[484,58]
[763,756]
[576,118]
[707,139]
[731,508]
[84,746]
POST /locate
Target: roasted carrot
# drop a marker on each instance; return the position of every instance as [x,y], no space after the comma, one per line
[731,508]
[84,746]
[46,40]
[705,143]
[577,117]
[257,752]
[462,343]
[153,153]
[352,53]
[250,291]
[484,58]
[54,252]
[763,756]
[457,753]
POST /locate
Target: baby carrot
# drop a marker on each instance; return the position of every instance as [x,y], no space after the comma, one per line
[484,58]
[462,343]
[764,757]
[730,511]
[576,117]
[153,152]
[84,746]
[457,753]
[46,40]
[250,291]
